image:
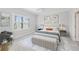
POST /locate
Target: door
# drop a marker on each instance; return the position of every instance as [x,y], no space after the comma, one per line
[77,26]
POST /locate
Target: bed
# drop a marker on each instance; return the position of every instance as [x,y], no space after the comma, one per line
[46,39]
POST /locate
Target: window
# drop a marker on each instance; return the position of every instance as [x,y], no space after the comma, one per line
[26,22]
[21,22]
[17,24]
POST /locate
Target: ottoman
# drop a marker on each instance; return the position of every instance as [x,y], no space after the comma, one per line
[46,42]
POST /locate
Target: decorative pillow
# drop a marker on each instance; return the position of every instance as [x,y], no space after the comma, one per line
[50,29]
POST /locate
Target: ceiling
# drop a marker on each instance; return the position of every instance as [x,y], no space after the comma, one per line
[46,11]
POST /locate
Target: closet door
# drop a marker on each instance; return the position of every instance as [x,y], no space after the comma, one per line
[77,26]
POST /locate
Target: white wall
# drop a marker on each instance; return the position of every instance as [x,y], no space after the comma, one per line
[40,19]
[17,11]
[64,19]
[72,25]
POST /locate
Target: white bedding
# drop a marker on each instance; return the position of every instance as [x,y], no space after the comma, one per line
[47,35]
[55,31]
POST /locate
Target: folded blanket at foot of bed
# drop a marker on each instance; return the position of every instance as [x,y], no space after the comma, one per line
[46,42]
[47,35]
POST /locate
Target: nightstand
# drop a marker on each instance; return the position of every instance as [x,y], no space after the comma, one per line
[63,32]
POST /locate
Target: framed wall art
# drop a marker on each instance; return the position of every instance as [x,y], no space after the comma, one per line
[5,20]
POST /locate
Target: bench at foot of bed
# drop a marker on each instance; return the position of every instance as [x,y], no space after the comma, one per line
[46,42]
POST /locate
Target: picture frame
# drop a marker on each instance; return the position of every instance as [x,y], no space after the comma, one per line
[5,20]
